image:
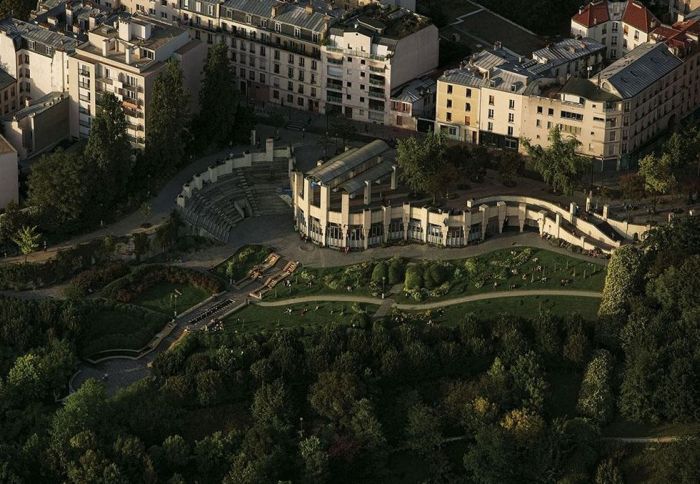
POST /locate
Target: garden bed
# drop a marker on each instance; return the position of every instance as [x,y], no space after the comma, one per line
[108,325]
[167,297]
[239,264]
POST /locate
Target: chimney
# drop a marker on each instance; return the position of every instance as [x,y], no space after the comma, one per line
[273,12]
[309,9]
[105,47]
[125,29]
[127,52]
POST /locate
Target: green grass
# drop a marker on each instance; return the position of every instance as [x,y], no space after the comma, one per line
[520,306]
[161,297]
[623,428]
[116,326]
[255,318]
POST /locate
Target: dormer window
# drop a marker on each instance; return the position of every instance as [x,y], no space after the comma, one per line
[278,27]
[210,10]
[249,19]
[297,32]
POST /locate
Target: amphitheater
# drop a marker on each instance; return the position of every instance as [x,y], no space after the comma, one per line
[250,185]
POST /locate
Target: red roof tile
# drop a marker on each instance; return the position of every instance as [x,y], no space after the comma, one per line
[592,14]
[639,17]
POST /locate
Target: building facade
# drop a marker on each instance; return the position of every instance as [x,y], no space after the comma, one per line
[9,174]
[125,59]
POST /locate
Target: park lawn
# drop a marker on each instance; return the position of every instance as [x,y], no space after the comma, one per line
[254,318]
[623,428]
[555,267]
[243,261]
[118,326]
[519,306]
[161,297]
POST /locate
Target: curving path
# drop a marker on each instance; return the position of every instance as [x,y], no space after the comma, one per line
[434,305]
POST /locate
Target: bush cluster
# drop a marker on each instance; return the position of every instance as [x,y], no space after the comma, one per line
[96,278]
[129,287]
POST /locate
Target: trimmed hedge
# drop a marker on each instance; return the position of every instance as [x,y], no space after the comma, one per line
[129,287]
[414,277]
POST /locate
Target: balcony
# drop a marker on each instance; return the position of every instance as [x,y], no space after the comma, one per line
[379,70]
[333,97]
[83,97]
[376,82]
[84,85]
[376,93]
[333,84]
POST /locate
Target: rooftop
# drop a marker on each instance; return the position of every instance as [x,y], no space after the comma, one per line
[5,146]
[567,50]
[306,17]
[39,106]
[414,90]
[23,31]
[638,69]
[6,80]
[587,89]
[342,167]
[384,22]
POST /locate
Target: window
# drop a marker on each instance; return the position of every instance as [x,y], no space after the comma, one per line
[315,36]
[550,112]
[510,131]
[467,120]
[449,89]
[511,104]
[210,10]
[449,103]
[613,136]
[448,116]
[490,113]
[314,65]
[275,94]
[538,123]
[290,86]
[348,97]
[489,126]
[468,107]
[262,78]
[278,27]
[291,58]
[349,59]
[297,32]
[491,100]
[469,92]
[511,117]
[539,109]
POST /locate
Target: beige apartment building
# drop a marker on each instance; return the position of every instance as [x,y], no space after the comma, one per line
[8,93]
[125,59]
[36,57]
[9,174]
[483,100]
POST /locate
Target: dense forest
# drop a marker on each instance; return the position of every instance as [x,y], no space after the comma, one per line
[403,400]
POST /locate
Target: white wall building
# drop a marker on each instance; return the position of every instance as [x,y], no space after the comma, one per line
[9,174]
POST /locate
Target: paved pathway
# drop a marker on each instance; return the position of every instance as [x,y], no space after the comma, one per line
[667,439]
[434,305]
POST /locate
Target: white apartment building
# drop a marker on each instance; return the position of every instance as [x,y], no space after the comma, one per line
[619,25]
[125,59]
[372,53]
[36,57]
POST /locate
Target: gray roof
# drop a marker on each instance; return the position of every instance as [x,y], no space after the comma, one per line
[286,13]
[40,105]
[347,161]
[587,89]
[638,69]
[465,76]
[18,30]
[6,79]
[568,50]
[371,175]
[414,90]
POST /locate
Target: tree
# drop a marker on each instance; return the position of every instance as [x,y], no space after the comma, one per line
[27,239]
[509,163]
[676,462]
[423,433]
[608,473]
[596,399]
[62,187]
[423,163]
[141,244]
[315,459]
[176,451]
[108,150]
[657,173]
[334,394]
[166,134]
[271,405]
[222,120]
[559,164]
[621,281]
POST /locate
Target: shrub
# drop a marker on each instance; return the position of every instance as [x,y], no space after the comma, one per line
[96,278]
[396,271]
[129,287]
[380,272]
[414,277]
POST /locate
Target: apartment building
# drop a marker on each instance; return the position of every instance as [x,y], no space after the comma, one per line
[371,53]
[9,174]
[483,100]
[619,25]
[682,8]
[125,59]
[412,103]
[36,57]
[619,110]
[74,16]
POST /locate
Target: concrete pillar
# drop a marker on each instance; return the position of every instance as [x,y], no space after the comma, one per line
[502,213]
[541,221]
[253,138]
[522,216]
[394,176]
[670,217]
[557,221]
[466,225]
[572,212]
[386,218]
[444,230]
[269,149]
[605,211]
[406,219]
[325,202]
[424,223]
[198,182]
[583,242]
[484,209]
[368,192]
[213,174]
[588,204]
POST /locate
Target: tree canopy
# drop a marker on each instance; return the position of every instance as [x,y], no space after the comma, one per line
[559,164]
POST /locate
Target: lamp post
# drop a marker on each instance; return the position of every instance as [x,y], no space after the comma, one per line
[383,280]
